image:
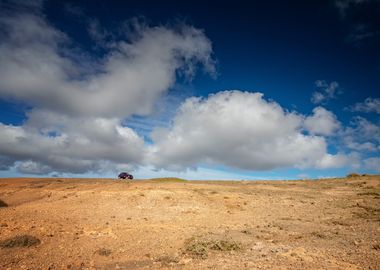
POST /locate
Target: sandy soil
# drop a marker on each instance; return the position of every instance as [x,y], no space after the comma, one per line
[110,224]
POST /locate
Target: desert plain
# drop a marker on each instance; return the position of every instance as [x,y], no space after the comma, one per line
[58,223]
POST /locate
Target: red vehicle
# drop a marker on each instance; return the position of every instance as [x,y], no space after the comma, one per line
[125,175]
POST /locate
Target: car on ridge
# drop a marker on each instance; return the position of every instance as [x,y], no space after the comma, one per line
[125,175]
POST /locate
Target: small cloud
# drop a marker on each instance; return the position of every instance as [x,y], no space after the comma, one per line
[73,10]
[322,122]
[360,33]
[368,105]
[317,97]
[325,91]
[362,135]
[356,16]
[99,34]
[343,6]
[332,161]
[303,176]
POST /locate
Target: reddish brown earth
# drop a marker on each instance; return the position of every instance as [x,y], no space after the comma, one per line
[109,224]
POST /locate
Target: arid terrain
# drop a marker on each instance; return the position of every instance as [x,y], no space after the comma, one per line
[172,224]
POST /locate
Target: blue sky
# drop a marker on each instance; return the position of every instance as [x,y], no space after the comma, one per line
[234,90]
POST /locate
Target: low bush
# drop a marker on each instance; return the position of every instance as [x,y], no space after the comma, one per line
[20,241]
[104,252]
[200,248]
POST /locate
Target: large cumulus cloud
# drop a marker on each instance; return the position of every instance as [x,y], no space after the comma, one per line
[242,130]
[36,67]
[58,143]
[78,103]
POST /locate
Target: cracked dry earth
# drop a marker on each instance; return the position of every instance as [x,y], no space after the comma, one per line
[171,224]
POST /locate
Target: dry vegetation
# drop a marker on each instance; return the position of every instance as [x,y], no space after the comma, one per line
[171,223]
[20,241]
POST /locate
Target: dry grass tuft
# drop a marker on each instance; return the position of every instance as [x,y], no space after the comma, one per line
[20,241]
[319,235]
[168,260]
[200,248]
[103,252]
[340,222]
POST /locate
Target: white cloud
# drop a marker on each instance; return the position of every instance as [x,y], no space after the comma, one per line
[360,33]
[344,5]
[70,145]
[362,135]
[322,122]
[332,161]
[361,147]
[325,92]
[36,67]
[365,129]
[195,174]
[303,176]
[240,130]
[369,105]
[79,106]
[372,163]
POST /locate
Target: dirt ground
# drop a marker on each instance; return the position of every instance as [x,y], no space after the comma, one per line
[170,224]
